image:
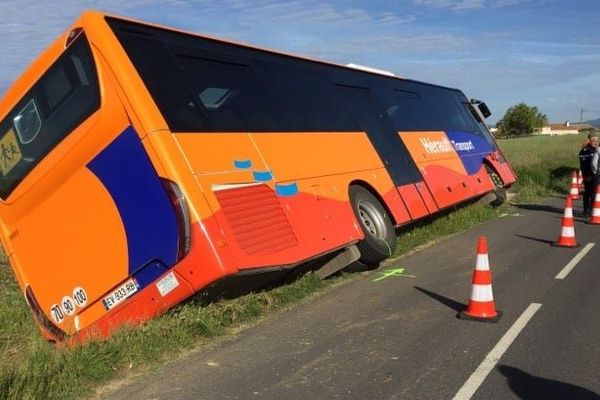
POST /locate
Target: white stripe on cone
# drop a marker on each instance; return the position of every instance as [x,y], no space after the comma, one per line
[482,293]
[596,212]
[482,263]
[568,231]
[568,213]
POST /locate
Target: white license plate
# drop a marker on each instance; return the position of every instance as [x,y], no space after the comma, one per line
[120,294]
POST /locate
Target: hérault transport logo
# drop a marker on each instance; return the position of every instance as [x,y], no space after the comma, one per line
[445,146]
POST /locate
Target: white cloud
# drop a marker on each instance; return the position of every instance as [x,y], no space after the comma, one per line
[310,12]
[293,25]
[454,5]
[465,5]
[468,5]
[490,60]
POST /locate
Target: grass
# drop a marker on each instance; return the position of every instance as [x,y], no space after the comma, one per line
[457,221]
[31,369]
[543,164]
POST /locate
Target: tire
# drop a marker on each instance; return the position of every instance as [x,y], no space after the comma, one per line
[499,189]
[380,238]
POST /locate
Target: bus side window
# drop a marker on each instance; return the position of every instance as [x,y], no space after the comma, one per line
[423,108]
[307,97]
[164,82]
[65,96]
[27,122]
[234,99]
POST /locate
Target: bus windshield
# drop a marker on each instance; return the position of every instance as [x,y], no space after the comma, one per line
[63,97]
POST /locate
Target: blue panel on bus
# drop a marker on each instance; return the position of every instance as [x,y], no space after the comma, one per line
[149,274]
[242,164]
[147,213]
[471,148]
[286,190]
[262,176]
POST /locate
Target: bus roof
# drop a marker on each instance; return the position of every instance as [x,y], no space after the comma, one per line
[39,65]
[351,66]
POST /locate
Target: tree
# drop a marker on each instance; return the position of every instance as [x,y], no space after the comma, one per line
[521,120]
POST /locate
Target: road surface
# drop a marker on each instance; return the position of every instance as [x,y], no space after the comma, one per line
[397,337]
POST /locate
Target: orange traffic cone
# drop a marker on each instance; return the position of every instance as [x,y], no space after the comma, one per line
[574,193]
[481,305]
[580,182]
[595,218]
[567,234]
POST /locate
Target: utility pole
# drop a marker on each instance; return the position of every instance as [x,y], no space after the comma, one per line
[584,111]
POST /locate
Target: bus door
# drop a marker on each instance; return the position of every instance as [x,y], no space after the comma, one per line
[395,157]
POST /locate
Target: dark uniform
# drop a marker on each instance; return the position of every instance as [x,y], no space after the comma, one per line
[586,156]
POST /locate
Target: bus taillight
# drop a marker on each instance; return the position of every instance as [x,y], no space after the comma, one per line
[183,216]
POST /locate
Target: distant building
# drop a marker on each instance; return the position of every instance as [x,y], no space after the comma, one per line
[565,128]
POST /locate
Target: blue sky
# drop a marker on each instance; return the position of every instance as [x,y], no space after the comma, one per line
[543,52]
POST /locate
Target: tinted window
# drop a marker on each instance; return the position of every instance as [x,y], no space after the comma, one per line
[427,108]
[168,89]
[374,121]
[234,99]
[60,101]
[307,98]
[204,85]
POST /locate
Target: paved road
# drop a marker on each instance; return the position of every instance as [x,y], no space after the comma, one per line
[398,338]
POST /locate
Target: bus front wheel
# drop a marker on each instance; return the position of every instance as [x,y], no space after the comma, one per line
[380,239]
[499,189]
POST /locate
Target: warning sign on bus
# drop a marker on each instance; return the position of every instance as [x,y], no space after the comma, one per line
[10,154]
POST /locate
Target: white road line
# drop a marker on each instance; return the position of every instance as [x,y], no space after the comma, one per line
[476,379]
[565,271]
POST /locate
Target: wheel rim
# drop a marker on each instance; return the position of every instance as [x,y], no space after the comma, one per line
[372,220]
[496,180]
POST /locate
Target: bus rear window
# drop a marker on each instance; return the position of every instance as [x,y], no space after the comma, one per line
[62,99]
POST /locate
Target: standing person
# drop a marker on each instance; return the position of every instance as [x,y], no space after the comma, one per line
[588,163]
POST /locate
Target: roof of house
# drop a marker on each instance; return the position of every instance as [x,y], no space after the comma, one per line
[563,127]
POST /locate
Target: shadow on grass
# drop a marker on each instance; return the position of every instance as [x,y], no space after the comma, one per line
[562,172]
[559,176]
[260,280]
[530,387]
[453,304]
[539,207]
[558,196]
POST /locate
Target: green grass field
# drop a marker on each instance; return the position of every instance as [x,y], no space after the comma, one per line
[543,164]
[31,369]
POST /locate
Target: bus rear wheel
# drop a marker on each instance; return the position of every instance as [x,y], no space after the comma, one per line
[380,239]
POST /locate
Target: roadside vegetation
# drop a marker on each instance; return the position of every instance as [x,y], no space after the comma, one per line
[543,164]
[520,120]
[31,369]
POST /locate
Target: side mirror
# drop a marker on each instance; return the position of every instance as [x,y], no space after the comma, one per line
[482,107]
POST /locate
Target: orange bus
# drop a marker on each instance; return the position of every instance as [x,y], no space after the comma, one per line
[140,165]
